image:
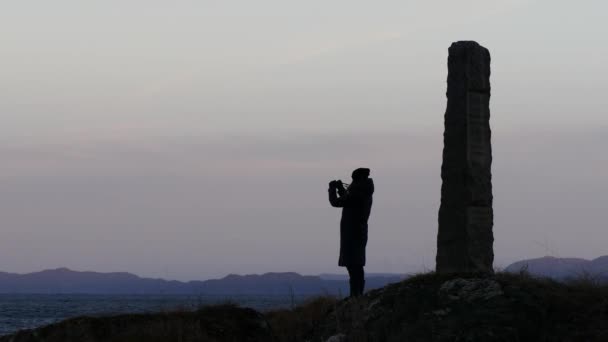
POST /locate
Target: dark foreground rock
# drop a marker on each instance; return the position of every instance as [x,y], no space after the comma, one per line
[430,307]
[218,323]
[504,307]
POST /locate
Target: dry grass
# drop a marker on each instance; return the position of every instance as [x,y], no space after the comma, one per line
[293,325]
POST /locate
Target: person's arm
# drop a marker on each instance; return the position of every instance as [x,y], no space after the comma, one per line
[341,190]
[334,199]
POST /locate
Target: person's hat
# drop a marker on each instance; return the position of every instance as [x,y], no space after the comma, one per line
[360,173]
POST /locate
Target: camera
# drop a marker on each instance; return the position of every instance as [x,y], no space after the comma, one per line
[335,184]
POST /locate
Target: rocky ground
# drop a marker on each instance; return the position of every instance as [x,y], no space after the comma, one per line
[430,307]
[504,307]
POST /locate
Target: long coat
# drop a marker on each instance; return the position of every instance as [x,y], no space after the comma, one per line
[356,204]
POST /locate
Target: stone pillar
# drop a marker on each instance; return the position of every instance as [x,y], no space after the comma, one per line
[465,239]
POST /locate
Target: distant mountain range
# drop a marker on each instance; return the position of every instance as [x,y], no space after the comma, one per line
[563,268]
[63,280]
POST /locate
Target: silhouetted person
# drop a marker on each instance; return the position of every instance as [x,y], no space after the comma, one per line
[356,202]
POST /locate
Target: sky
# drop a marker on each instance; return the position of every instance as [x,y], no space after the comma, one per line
[193,139]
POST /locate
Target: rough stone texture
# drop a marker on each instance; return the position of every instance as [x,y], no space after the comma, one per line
[490,308]
[337,338]
[469,290]
[465,239]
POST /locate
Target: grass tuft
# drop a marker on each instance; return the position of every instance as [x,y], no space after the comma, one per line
[295,324]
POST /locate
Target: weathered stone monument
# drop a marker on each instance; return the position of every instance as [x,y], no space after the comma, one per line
[465,239]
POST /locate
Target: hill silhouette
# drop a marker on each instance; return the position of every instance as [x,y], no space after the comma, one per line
[63,280]
[563,268]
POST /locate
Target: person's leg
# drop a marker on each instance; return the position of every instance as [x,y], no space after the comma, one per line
[357,280]
[361,280]
[351,280]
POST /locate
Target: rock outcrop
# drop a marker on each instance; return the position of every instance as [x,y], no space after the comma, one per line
[465,239]
[500,307]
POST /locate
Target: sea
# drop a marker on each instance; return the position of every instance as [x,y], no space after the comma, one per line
[28,311]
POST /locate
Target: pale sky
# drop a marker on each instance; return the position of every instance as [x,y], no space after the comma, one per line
[192,139]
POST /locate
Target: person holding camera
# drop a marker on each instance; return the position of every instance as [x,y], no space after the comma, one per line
[356,203]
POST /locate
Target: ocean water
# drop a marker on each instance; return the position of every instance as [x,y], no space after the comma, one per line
[27,311]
